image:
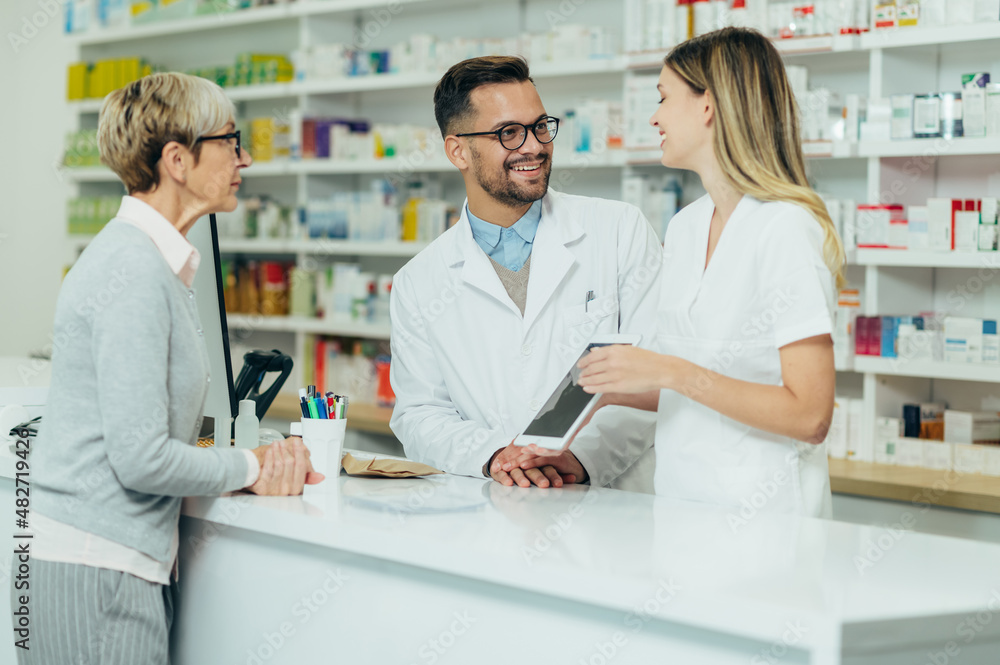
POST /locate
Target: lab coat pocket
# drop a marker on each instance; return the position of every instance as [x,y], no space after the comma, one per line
[593,315]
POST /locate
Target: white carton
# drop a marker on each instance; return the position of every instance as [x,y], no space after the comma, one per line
[887,431]
[991,460]
[969,458]
[909,452]
[971,426]
[939,455]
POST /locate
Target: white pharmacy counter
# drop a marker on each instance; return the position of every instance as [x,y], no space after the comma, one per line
[450,569]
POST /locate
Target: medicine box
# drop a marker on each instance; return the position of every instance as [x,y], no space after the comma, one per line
[887,431]
[910,452]
[972,427]
[939,455]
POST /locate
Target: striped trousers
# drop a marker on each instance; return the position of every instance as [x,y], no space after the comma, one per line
[82,615]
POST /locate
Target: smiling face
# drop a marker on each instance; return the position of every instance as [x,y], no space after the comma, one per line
[684,120]
[511,178]
[215,180]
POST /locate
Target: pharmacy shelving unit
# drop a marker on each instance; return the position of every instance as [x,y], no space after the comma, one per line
[877,65]
[390,98]
[874,65]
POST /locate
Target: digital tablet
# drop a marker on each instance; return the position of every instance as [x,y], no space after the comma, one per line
[568,405]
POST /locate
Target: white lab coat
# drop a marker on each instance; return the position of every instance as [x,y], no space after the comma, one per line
[469,372]
[766,286]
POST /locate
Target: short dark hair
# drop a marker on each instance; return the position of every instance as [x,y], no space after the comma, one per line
[451,97]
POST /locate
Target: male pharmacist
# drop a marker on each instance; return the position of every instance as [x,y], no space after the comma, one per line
[488,319]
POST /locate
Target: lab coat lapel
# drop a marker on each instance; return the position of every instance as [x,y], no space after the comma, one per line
[477,270]
[551,260]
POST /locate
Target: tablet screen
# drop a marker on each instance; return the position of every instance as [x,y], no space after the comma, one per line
[567,402]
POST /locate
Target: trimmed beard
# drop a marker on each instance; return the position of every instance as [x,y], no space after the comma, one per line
[503,189]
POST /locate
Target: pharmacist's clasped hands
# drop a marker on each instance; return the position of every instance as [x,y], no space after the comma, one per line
[284,468]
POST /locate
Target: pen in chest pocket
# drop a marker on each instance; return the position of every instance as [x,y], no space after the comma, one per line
[586,303]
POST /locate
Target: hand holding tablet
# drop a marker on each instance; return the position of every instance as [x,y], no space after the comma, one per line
[568,406]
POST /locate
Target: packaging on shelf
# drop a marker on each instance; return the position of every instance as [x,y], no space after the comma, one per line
[972,426]
[640,104]
[926,116]
[884,15]
[836,437]
[913,342]
[963,340]
[859,448]
[87,215]
[916,228]
[924,421]
[941,222]
[907,14]
[659,199]
[845,317]
[256,287]
[345,367]
[993,109]
[991,460]
[939,455]
[974,104]
[968,458]
[902,117]
[887,432]
[967,228]
[951,115]
[909,452]
[989,237]
[877,125]
[881,226]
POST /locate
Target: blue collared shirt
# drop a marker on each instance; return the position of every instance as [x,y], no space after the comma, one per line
[509,247]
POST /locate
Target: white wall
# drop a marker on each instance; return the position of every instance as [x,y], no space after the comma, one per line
[34,120]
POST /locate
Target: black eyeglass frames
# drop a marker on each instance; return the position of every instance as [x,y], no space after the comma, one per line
[514,135]
[224,137]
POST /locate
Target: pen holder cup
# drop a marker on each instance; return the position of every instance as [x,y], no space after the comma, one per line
[325,441]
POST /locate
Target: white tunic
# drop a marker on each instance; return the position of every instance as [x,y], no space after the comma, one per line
[766,286]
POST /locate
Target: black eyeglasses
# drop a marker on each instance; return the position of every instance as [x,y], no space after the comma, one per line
[224,137]
[514,135]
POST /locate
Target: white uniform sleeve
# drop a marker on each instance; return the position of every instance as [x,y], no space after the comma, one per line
[425,419]
[619,437]
[795,277]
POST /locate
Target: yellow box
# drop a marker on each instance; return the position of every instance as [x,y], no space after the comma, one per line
[76,81]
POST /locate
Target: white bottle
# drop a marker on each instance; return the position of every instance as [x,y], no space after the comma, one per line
[247,425]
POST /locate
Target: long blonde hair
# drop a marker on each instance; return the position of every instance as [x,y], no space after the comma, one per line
[756,138]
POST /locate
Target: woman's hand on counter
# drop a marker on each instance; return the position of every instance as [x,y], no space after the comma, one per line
[284,468]
[627,369]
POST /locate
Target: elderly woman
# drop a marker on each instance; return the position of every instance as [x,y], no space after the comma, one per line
[115,452]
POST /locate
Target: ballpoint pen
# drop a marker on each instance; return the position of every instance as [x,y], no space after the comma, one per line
[586,303]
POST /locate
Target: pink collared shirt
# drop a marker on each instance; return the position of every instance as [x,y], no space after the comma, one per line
[64,543]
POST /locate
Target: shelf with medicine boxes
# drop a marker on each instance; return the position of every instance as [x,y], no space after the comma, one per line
[320,246]
[848,166]
[303,324]
[985,373]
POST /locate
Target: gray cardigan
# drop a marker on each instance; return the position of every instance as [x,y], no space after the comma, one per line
[130,373]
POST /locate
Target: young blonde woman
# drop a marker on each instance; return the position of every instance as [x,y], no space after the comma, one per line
[744,381]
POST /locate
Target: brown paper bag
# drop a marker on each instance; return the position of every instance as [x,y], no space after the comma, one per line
[386,468]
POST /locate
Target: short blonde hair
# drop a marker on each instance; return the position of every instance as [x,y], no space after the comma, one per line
[138,120]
